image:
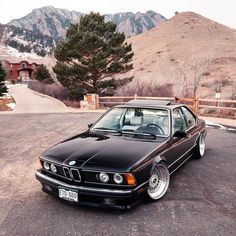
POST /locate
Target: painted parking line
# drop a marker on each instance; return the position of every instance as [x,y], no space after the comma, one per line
[231,129]
[214,125]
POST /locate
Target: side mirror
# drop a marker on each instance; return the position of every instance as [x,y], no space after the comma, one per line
[180,134]
[90,125]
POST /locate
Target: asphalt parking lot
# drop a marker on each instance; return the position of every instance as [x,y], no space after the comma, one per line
[201,199]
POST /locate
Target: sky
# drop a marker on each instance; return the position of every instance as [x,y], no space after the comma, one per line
[222,11]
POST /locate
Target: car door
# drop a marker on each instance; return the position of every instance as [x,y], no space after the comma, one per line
[178,146]
[192,132]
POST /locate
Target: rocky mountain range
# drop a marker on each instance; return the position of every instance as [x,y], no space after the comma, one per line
[54,22]
[39,31]
[25,40]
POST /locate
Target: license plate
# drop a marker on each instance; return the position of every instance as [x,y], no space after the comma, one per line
[68,194]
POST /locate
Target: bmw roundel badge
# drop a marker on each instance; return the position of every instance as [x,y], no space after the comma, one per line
[71,163]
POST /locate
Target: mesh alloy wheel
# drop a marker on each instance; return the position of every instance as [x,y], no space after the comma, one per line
[158,182]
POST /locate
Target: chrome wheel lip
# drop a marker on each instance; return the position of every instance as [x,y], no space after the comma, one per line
[158,182]
[202,145]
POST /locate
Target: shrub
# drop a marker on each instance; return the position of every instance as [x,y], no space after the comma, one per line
[53,90]
[206,73]
[71,103]
[42,74]
[3,88]
[225,82]
[146,88]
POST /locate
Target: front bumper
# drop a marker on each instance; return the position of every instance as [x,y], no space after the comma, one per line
[105,197]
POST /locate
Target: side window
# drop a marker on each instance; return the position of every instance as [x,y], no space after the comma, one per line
[128,116]
[190,118]
[178,120]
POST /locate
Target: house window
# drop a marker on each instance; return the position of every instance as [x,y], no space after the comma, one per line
[23,65]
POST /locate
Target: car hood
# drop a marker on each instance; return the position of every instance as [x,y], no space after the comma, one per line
[93,150]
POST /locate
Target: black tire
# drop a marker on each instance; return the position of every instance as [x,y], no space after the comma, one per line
[158,182]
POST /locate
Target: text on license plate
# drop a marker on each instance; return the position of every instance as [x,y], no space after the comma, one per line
[68,194]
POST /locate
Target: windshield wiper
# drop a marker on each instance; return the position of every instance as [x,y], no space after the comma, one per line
[125,132]
[107,129]
[139,133]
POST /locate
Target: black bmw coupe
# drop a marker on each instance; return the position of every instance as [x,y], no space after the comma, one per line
[127,154]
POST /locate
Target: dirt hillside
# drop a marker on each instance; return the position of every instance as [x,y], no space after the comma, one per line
[185,45]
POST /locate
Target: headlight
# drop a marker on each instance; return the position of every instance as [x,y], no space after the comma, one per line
[117,178]
[53,168]
[104,177]
[46,165]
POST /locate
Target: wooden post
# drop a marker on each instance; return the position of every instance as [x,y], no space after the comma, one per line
[97,101]
[176,99]
[196,105]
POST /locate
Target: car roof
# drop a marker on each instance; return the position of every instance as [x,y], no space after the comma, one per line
[151,103]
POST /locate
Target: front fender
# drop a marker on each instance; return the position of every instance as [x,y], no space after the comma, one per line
[158,159]
[142,175]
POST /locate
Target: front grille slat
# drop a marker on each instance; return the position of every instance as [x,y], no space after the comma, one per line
[60,170]
[75,175]
[67,173]
[72,174]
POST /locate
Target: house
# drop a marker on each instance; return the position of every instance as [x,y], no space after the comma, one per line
[21,71]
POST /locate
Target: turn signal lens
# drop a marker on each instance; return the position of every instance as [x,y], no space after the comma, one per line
[130,179]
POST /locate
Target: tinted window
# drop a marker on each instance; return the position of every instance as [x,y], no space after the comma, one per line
[111,120]
[141,120]
[190,118]
[147,120]
[178,120]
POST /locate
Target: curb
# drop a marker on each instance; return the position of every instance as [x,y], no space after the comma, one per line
[220,121]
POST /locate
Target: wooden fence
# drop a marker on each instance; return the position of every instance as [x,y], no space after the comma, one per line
[194,103]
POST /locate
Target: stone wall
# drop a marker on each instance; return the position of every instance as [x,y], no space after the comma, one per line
[90,102]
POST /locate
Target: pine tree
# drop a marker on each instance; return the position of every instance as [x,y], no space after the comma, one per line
[42,74]
[3,88]
[91,55]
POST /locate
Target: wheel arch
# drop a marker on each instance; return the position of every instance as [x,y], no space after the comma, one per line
[143,173]
[158,159]
[202,132]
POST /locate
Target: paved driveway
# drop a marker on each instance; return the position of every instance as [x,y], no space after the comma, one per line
[201,199]
[28,101]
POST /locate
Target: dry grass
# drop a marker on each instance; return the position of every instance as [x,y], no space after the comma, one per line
[222,113]
[146,88]
[4,102]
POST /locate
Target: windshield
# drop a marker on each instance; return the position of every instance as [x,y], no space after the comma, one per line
[137,120]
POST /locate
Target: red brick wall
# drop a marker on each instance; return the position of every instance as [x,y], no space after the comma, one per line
[14,67]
